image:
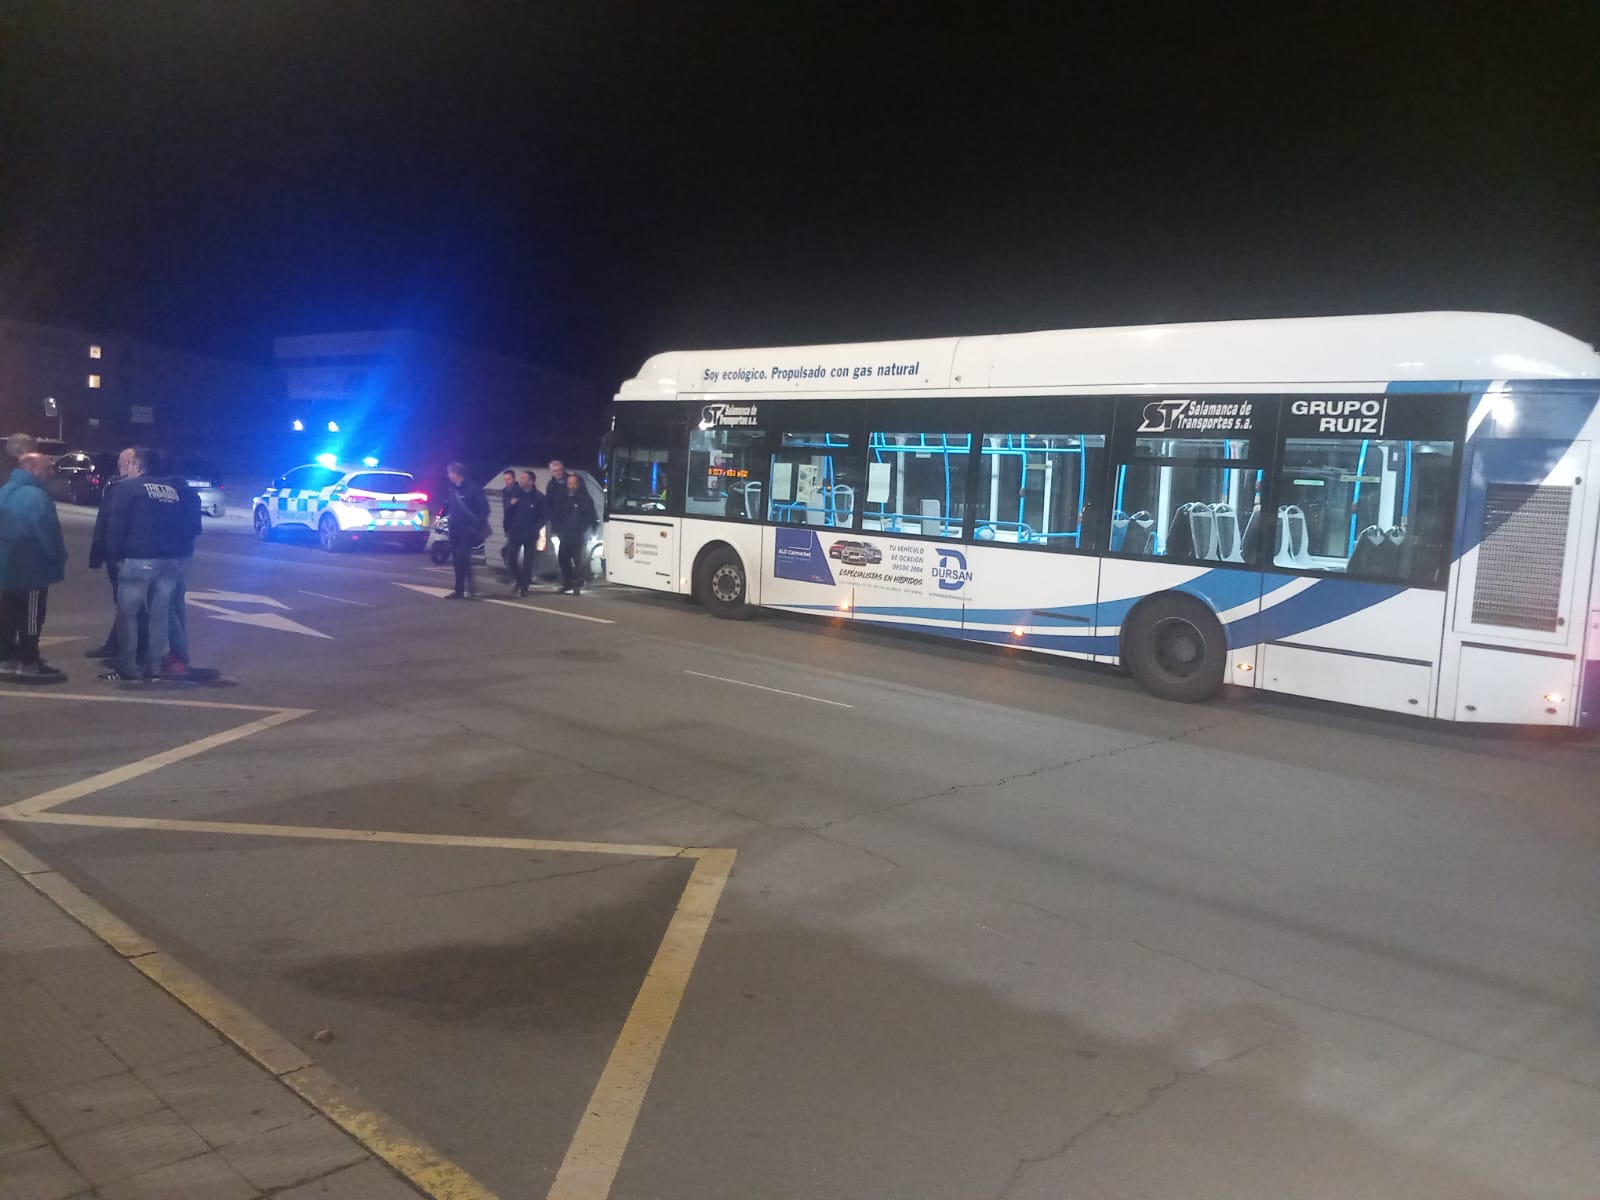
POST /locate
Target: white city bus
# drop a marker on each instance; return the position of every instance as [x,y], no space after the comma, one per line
[1391,511]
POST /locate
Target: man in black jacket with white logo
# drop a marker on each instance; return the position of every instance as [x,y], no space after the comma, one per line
[149,536]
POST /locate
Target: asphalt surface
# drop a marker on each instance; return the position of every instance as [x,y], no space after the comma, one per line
[997,926]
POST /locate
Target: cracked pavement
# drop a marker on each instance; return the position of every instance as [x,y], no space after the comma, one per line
[1004,929]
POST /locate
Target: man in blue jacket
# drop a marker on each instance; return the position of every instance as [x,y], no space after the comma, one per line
[32,557]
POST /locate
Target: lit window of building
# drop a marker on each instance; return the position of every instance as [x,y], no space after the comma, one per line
[94,351]
[94,381]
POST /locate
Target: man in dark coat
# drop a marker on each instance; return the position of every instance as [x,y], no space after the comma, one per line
[572,515]
[467,509]
[525,533]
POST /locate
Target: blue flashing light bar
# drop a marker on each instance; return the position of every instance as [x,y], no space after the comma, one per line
[333,427]
[327,460]
[299,425]
[369,461]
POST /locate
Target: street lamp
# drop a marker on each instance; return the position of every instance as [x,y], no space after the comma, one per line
[52,409]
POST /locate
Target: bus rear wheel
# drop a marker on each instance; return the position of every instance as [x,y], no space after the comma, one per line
[722,585]
[1176,648]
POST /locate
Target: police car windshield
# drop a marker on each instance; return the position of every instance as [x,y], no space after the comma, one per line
[386,483]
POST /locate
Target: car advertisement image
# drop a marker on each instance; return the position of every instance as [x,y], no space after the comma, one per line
[909,568]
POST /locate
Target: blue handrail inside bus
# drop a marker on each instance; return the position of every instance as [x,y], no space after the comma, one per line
[1355,496]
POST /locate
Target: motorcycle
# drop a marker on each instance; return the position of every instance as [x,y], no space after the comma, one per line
[439,544]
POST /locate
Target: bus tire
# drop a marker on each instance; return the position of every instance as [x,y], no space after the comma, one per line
[722,585]
[1176,648]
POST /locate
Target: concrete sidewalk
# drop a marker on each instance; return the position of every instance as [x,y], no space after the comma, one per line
[112,1089]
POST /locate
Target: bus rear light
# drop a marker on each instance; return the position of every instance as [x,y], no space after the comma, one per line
[1244,666]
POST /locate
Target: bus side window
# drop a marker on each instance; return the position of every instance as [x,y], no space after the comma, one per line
[1367,508]
[1034,489]
[815,480]
[1188,499]
[917,483]
[727,473]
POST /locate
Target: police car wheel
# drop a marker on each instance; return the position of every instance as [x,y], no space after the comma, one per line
[439,553]
[723,586]
[328,534]
[1175,647]
[263,524]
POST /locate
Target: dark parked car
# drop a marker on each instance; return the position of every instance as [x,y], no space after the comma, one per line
[80,477]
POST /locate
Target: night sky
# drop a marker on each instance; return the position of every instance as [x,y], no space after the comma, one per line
[584,184]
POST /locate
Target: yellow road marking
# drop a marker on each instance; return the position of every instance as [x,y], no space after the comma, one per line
[101,699]
[42,803]
[334,834]
[603,1134]
[595,1154]
[388,1140]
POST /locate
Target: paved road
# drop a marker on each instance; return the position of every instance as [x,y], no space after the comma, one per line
[996,927]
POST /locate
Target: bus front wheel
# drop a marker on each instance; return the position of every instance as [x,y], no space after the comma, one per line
[722,586]
[1176,648]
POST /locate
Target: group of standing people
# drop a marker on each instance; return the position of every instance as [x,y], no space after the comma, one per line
[563,510]
[144,537]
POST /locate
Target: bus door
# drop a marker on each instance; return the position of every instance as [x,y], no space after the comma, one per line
[1185,490]
[1525,552]
[1039,525]
[1363,494]
[643,486]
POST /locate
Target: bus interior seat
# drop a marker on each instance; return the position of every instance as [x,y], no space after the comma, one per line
[1293,552]
[1140,533]
[1227,527]
[1203,530]
[844,504]
[1180,534]
[752,500]
[1367,558]
[1119,530]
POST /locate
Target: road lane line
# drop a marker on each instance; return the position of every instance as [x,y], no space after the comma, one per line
[340,599]
[41,804]
[764,688]
[591,1161]
[554,612]
[432,1173]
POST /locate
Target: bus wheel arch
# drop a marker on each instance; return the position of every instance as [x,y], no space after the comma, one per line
[1175,646]
[721,582]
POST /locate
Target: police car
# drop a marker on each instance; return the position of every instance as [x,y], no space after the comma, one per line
[342,503]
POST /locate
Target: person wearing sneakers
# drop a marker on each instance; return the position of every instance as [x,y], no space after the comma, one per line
[32,557]
[148,536]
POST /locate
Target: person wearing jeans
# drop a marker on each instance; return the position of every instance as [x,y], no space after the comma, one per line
[150,535]
[145,582]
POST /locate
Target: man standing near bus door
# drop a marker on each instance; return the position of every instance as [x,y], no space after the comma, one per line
[525,533]
[572,517]
[32,557]
[468,513]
